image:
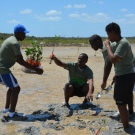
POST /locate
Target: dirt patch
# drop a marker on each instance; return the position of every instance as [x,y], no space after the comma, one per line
[37,91]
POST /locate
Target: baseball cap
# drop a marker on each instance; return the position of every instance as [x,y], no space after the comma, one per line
[20,28]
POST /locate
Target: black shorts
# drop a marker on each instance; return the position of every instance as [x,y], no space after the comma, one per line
[78,91]
[123,89]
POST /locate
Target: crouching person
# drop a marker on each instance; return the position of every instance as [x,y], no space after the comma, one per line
[80,79]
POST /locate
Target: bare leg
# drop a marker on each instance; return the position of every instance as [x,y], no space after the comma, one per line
[13,98]
[7,105]
[130,106]
[68,93]
[124,115]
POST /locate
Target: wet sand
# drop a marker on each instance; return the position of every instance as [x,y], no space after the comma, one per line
[39,90]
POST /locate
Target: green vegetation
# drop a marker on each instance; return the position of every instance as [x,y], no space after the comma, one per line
[34,53]
[57,40]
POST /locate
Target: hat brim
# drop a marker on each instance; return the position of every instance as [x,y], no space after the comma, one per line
[26,31]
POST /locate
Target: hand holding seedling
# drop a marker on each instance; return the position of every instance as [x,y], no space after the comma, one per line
[51,57]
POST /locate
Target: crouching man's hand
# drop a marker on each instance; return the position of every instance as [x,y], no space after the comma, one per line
[89,96]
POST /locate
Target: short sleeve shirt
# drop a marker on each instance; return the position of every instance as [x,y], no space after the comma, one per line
[78,77]
[113,46]
[8,50]
[125,64]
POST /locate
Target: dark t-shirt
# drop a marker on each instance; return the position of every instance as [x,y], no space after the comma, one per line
[77,76]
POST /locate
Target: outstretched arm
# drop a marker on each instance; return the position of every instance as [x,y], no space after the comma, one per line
[57,61]
[107,69]
[22,62]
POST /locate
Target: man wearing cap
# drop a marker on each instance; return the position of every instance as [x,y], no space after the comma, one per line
[10,54]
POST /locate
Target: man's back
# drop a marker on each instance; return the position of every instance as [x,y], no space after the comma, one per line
[8,50]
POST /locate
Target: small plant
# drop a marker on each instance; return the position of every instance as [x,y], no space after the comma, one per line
[97,131]
[57,39]
[34,54]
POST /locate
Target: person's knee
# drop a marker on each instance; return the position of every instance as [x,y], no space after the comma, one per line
[16,89]
[9,91]
[68,89]
[122,107]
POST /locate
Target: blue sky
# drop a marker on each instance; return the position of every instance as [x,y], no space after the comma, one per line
[67,18]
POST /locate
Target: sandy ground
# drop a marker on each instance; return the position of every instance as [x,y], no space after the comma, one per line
[38,90]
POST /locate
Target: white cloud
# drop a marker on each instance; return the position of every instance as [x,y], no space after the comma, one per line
[49,16]
[128,19]
[124,9]
[26,11]
[101,2]
[53,12]
[80,6]
[56,18]
[99,17]
[68,6]
[13,21]
[76,6]
[101,14]
[131,18]
[45,18]
[130,15]
[75,16]
[102,17]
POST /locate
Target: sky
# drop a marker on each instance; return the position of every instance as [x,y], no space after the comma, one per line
[67,18]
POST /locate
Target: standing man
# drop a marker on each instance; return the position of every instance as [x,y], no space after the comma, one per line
[10,53]
[97,43]
[122,59]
